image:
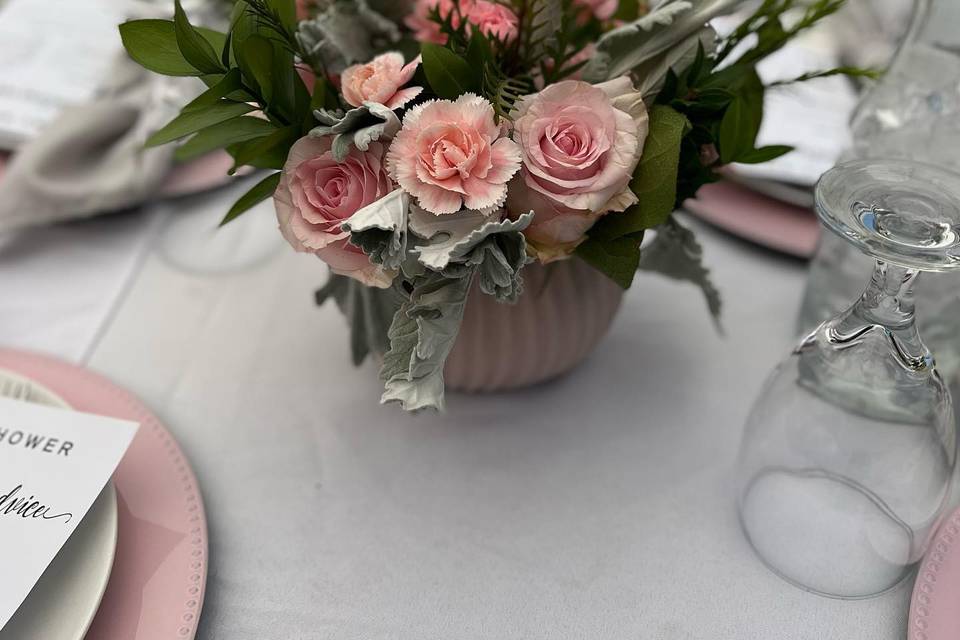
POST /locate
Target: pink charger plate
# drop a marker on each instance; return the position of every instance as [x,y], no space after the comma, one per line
[159,574]
[758,218]
[935,606]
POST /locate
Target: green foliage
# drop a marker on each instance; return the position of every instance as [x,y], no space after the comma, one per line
[193,120]
[250,69]
[767,23]
[618,258]
[153,45]
[260,192]
[194,47]
[613,245]
[449,75]
[226,133]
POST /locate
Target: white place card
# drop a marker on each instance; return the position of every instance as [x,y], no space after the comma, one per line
[53,54]
[53,465]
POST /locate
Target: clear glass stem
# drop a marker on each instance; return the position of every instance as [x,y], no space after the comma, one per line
[888,302]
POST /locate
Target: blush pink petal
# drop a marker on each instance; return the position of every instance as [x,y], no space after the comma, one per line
[601,9]
[381,81]
[453,154]
[495,20]
[316,194]
[581,144]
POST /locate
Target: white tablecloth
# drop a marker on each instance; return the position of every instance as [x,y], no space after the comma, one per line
[598,506]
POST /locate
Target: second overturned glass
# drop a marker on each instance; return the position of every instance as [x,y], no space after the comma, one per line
[849,452]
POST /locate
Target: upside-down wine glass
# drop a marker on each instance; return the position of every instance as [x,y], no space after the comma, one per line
[848,454]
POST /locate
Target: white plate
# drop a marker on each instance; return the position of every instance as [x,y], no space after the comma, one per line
[63,603]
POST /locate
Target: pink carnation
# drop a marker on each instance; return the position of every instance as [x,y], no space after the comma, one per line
[601,9]
[494,20]
[380,80]
[426,30]
[317,193]
[451,155]
[580,144]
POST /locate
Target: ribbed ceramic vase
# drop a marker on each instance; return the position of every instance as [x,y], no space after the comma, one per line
[564,310]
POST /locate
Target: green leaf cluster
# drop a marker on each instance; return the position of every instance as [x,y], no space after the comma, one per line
[255,106]
[613,245]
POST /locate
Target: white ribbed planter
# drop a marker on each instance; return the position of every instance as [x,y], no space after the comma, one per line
[564,311]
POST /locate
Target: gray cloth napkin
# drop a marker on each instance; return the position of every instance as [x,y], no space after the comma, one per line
[92,159]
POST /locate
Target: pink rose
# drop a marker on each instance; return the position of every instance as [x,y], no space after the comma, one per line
[380,80]
[317,193]
[494,20]
[451,155]
[581,144]
[304,9]
[601,9]
[426,30]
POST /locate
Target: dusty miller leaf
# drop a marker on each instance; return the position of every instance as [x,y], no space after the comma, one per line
[369,312]
[422,335]
[627,47]
[380,229]
[675,253]
[347,32]
[357,127]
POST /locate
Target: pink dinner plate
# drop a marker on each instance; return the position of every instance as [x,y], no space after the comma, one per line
[159,573]
[758,218]
[935,606]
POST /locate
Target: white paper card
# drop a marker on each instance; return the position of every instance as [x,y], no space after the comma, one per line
[53,465]
[53,53]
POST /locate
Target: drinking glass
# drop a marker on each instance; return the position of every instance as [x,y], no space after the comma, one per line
[849,451]
[913,113]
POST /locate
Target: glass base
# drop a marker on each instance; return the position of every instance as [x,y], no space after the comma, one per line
[825,533]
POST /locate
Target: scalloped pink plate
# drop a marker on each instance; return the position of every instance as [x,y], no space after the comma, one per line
[160,572]
[935,606]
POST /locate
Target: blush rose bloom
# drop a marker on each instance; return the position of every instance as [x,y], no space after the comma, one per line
[601,9]
[316,193]
[451,155]
[426,30]
[581,144]
[380,81]
[494,20]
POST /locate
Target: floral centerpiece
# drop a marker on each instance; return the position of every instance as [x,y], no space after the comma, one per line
[427,149]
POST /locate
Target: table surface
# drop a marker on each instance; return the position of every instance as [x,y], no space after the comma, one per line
[596,506]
